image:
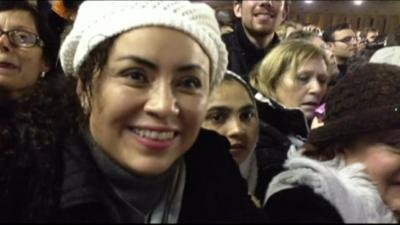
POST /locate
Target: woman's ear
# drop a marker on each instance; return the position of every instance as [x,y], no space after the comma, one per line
[83,97]
[45,66]
[237,9]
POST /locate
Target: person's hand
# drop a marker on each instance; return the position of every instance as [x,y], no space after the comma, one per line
[361,45]
[312,28]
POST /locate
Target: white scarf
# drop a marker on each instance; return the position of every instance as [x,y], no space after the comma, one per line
[248,169]
[347,188]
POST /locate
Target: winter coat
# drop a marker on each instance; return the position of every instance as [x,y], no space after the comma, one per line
[214,189]
[32,128]
[280,128]
[324,191]
[243,55]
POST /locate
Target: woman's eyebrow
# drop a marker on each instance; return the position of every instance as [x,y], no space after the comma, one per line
[191,67]
[139,60]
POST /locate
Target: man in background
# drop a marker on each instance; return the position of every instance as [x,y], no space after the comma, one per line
[343,42]
[254,33]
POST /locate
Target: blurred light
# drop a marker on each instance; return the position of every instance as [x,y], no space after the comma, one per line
[308,2]
[358,2]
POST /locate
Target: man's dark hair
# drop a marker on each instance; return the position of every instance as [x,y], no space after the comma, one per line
[359,60]
[394,37]
[327,36]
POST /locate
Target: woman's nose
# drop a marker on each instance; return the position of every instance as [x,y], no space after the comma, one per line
[161,101]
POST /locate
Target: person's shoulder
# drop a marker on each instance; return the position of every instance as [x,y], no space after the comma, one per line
[230,39]
[210,141]
[300,204]
[209,149]
[271,136]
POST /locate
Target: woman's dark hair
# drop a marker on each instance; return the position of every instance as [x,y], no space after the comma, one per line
[51,43]
[72,4]
[94,63]
[360,59]
[231,76]
[329,149]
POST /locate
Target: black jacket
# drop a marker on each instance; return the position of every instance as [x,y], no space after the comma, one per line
[301,205]
[243,55]
[214,189]
[32,128]
[276,124]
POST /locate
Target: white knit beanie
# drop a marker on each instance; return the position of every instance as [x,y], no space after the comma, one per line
[98,20]
[389,55]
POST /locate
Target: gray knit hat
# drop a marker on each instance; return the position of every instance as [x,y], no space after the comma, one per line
[98,20]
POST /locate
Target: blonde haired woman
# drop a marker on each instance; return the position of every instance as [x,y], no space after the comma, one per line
[291,82]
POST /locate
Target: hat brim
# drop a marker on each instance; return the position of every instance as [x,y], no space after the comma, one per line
[373,120]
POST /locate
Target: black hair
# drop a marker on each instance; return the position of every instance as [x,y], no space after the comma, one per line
[72,4]
[231,76]
[94,63]
[301,34]
[51,43]
[360,59]
[327,36]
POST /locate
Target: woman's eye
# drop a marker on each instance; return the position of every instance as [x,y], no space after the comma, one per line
[216,118]
[303,78]
[247,116]
[136,75]
[323,80]
[190,83]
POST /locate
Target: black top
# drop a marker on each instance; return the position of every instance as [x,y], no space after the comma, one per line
[244,55]
[300,205]
[214,189]
[276,124]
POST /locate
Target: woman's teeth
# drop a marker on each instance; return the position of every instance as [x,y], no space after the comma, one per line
[157,135]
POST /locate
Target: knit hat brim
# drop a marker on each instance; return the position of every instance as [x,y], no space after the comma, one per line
[351,125]
[97,21]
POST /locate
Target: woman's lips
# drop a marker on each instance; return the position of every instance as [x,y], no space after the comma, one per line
[5,64]
[6,67]
[237,148]
[154,139]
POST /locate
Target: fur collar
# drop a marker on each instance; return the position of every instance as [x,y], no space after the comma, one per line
[31,141]
[347,188]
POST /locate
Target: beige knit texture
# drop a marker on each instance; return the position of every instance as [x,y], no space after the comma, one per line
[98,20]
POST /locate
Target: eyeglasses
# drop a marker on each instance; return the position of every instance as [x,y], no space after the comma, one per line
[348,40]
[23,39]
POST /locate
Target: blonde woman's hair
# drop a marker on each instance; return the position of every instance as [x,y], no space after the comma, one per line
[286,57]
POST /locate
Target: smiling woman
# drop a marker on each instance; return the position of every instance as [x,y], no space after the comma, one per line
[144,98]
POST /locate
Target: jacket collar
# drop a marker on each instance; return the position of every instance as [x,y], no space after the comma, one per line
[290,121]
[347,187]
[249,47]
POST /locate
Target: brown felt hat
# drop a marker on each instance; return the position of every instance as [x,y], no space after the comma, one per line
[367,100]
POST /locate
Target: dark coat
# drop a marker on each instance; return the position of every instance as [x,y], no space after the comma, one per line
[276,124]
[243,55]
[31,131]
[300,205]
[214,189]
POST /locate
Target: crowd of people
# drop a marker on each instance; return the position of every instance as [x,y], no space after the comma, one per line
[153,112]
